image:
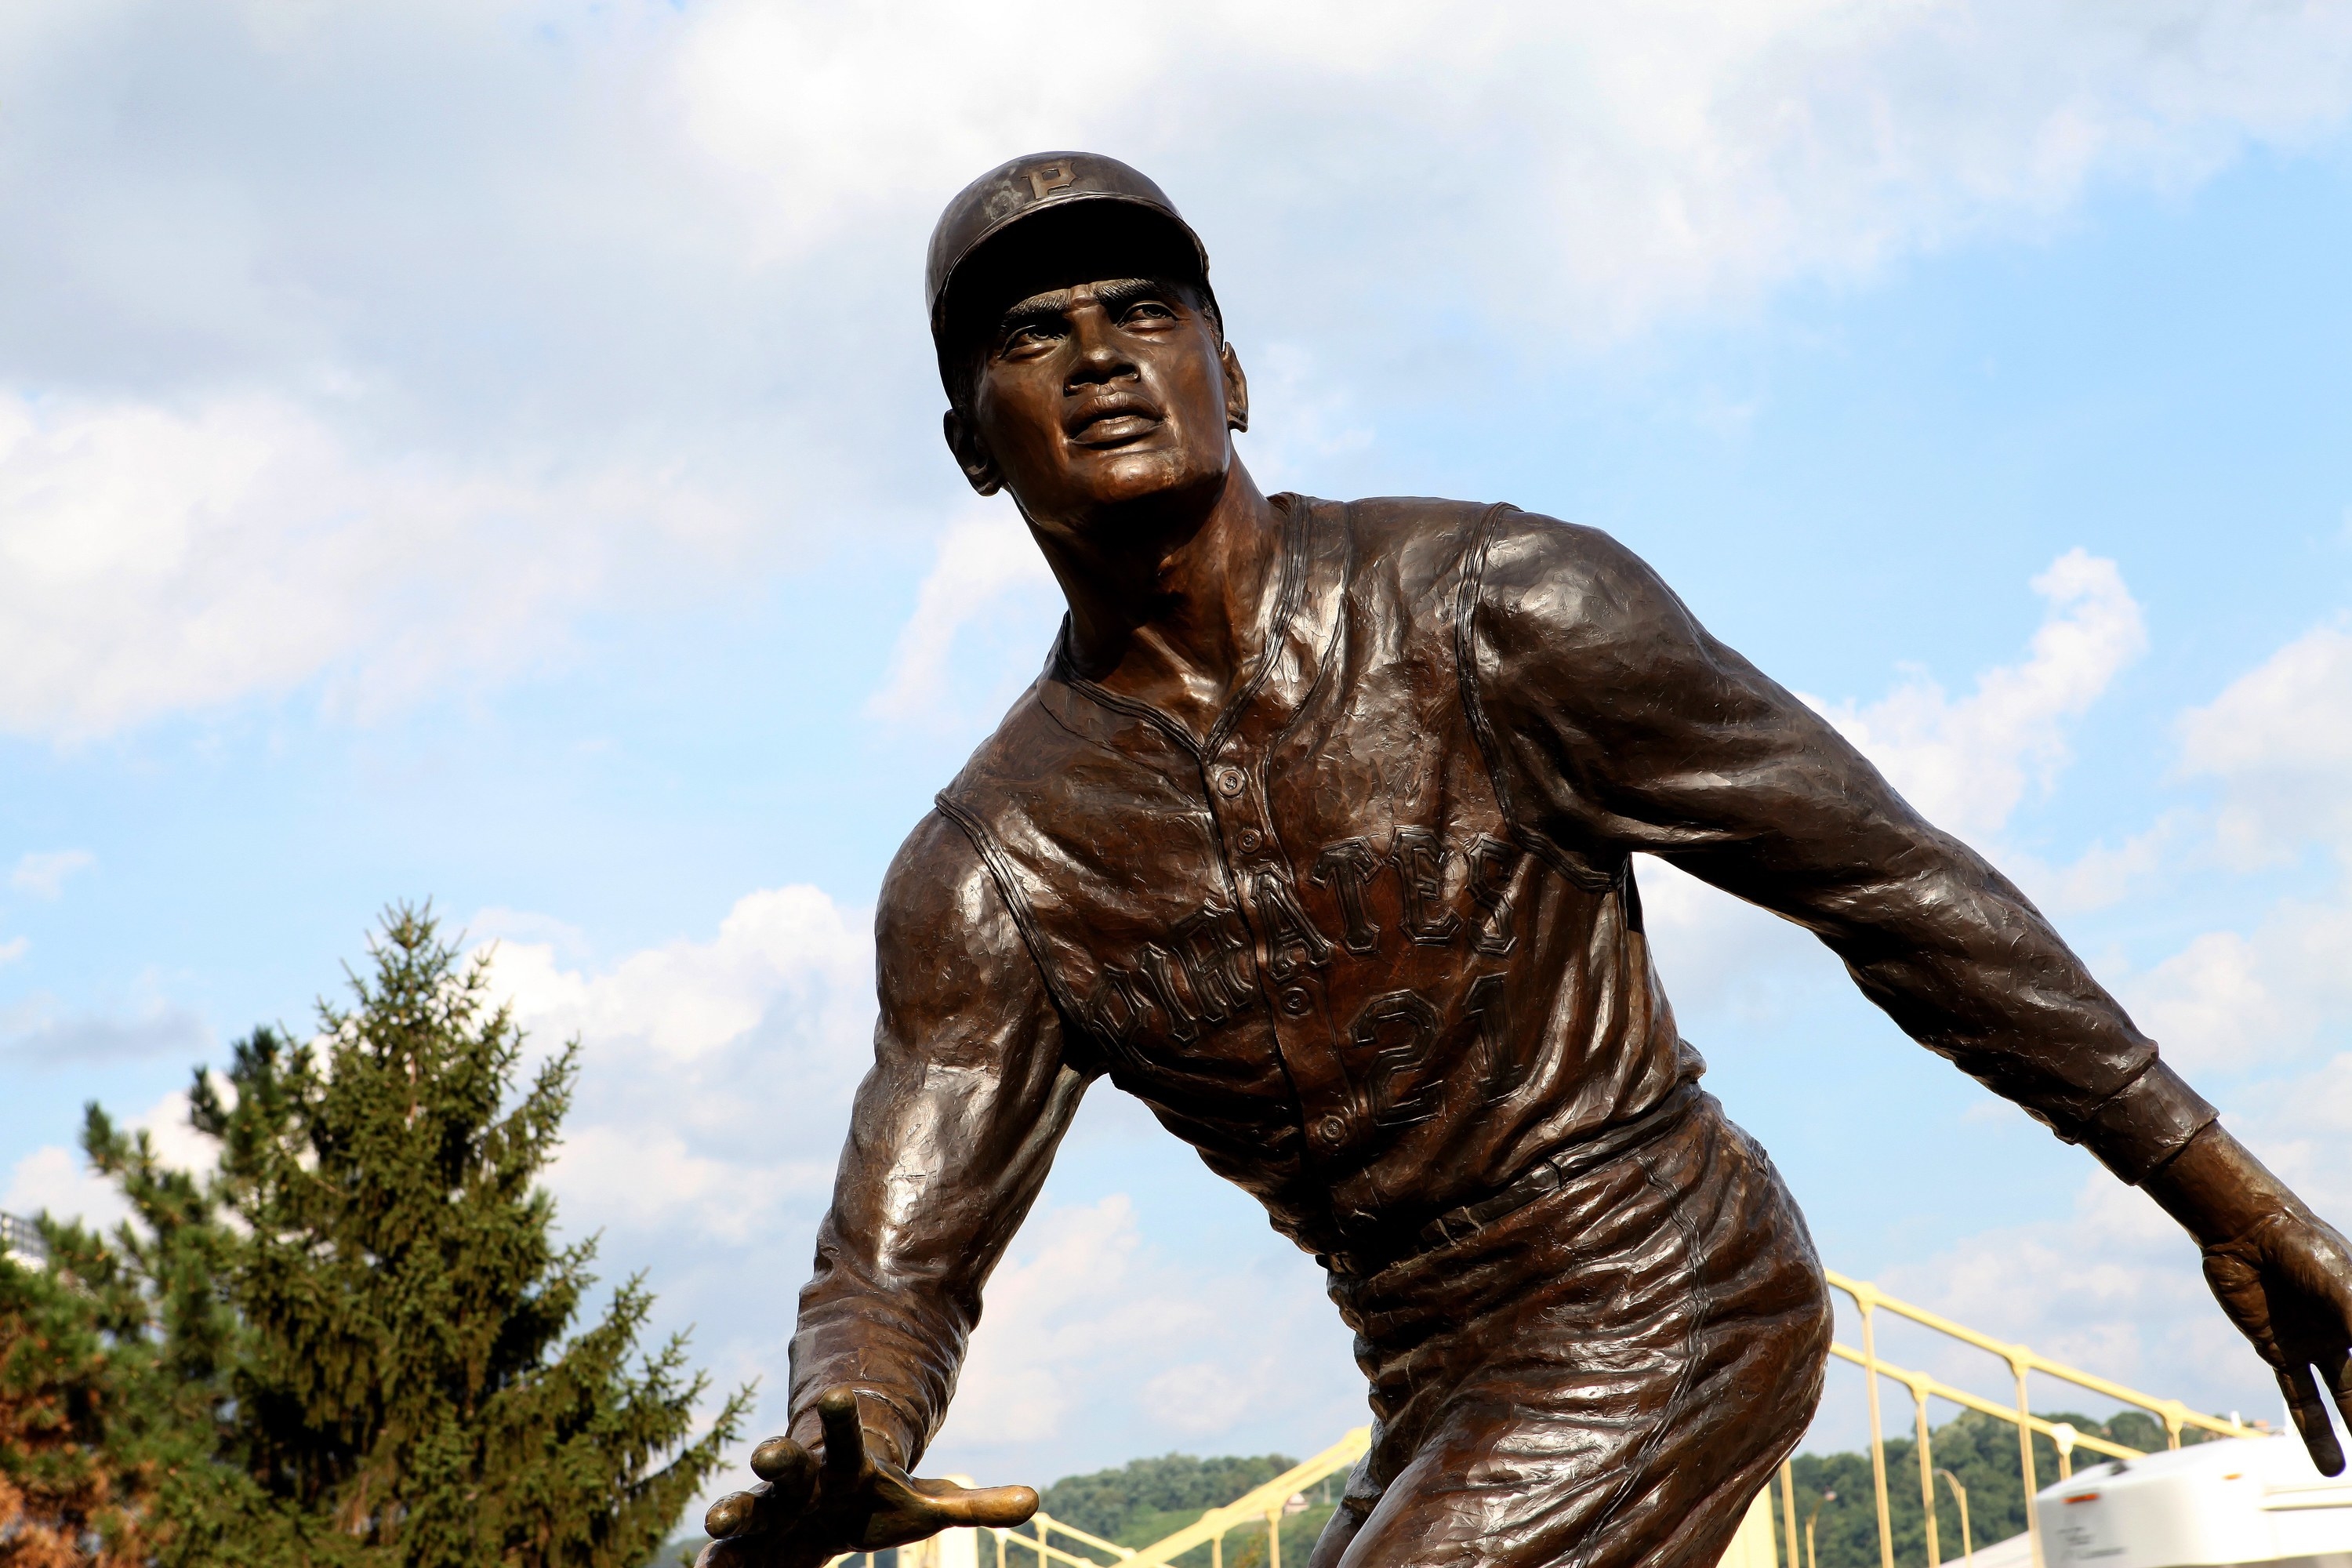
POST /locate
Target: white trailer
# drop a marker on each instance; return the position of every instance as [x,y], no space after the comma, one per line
[2238,1500]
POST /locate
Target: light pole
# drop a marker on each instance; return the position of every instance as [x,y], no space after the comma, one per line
[1960,1496]
[1811,1560]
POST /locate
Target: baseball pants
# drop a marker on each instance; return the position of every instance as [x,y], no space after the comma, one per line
[1601,1378]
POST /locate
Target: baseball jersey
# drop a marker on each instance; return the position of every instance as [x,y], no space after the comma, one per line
[1374,942]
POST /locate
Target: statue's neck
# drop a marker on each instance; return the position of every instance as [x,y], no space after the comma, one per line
[1176,621]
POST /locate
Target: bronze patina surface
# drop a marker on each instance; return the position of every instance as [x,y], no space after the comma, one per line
[1316,835]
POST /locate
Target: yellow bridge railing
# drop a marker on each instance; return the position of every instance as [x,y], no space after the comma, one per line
[1260,1505]
[1264,1506]
[1869,1300]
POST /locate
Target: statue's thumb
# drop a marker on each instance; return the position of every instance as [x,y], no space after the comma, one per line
[992,1507]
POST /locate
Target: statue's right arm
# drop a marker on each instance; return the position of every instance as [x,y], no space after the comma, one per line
[1619,723]
[953,1131]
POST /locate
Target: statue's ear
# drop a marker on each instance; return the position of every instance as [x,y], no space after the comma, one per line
[1237,388]
[972,454]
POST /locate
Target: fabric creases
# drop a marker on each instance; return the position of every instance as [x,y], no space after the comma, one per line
[1605,1377]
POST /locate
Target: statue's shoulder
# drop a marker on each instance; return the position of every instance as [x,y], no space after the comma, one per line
[934,876]
[1390,525]
[1574,591]
[1029,745]
[1430,543]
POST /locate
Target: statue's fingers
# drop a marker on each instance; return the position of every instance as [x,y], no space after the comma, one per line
[845,1439]
[2310,1413]
[2335,1366]
[789,1468]
[989,1506]
[738,1514]
[738,1553]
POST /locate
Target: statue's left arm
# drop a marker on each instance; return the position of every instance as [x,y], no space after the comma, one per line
[1616,724]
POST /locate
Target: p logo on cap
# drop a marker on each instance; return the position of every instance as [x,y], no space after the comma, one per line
[1047,178]
[1027,187]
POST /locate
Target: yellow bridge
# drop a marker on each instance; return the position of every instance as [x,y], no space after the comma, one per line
[1761,1543]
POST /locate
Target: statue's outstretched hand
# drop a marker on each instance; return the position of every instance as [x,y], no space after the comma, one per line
[809,1508]
[2286,1282]
[2283,1274]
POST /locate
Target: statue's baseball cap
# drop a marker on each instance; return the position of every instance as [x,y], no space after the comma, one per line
[1085,195]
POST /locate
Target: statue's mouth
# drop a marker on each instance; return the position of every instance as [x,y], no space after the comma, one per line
[1113,420]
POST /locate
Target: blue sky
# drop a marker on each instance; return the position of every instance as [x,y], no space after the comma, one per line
[490,453]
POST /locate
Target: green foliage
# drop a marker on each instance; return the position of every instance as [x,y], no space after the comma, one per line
[363,1311]
[1113,1503]
[84,1435]
[1149,1499]
[1981,1451]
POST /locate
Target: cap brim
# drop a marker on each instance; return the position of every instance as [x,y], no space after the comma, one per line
[1066,207]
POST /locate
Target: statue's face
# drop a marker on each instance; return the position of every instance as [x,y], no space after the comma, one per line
[1095,395]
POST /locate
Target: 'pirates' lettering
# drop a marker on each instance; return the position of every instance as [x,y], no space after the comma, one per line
[1292,943]
[1345,867]
[1492,861]
[1115,1008]
[1215,956]
[1159,971]
[1420,860]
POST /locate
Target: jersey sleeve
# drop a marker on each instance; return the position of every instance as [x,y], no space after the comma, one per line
[949,1140]
[1614,723]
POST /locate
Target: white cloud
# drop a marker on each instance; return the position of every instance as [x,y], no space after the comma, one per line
[713,1097]
[989,586]
[2275,743]
[2114,1286]
[1311,420]
[715,1076]
[2101,876]
[43,873]
[1719,954]
[58,1181]
[35,1031]
[2233,1003]
[15,948]
[1200,1398]
[1648,156]
[159,561]
[1095,1340]
[620,299]
[1068,1299]
[685,1001]
[1967,764]
[2279,742]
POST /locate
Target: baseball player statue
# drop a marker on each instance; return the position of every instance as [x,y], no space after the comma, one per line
[1316,835]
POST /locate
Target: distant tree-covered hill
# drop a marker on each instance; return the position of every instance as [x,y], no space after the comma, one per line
[1148,1500]
[1978,1449]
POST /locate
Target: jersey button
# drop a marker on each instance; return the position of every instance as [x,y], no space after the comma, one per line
[1331,1132]
[1230,781]
[1250,840]
[1295,1002]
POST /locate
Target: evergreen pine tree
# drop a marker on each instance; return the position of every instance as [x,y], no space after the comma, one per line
[365,1302]
[110,1381]
[74,1488]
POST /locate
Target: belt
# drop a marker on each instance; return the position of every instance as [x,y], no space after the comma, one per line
[1545,1175]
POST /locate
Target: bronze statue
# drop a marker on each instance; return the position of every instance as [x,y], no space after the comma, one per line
[1316,833]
